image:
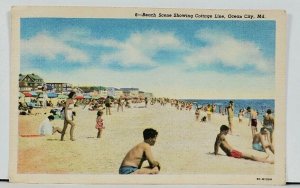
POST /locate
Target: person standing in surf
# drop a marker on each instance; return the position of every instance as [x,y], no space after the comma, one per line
[230,112]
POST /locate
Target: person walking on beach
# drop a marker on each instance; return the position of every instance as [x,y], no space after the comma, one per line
[99,123]
[230,112]
[107,103]
[132,163]
[120,104]
[44,99]
[222,143]
[46,128]
[209,112]
[197,113]
[146,102]
[69,116]
[268,123]
[252,120]
[240,116]
[261,142]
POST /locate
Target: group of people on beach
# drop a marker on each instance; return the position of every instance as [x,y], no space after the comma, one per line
[133,160]
[67,113]
[261,141]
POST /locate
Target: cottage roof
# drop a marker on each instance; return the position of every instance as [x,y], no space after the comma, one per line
[33,77]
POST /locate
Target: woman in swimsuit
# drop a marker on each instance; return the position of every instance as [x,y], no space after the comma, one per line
[69,116]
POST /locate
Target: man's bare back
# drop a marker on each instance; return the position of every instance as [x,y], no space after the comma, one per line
[137,155]
[223,144]
[261,141]
[133,161]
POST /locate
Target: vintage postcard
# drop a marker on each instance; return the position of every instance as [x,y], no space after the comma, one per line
[147,96]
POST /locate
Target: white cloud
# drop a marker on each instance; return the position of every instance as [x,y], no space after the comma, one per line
[139,48]
[221,47]
[45,45]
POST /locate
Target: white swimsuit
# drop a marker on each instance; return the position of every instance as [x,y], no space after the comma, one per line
[70,112]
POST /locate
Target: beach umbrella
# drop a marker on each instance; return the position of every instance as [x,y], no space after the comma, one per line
[79,97]
[27,94]
[61,96]
[52,95]
[33,93]
[87,96]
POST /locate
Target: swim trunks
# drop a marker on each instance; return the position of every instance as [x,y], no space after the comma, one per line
[236,154]
[254,122]
[269,128]
[258,147]
[127,169]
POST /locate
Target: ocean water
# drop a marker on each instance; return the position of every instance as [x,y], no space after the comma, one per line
[260,105]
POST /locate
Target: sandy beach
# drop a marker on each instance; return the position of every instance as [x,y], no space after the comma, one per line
[183,145]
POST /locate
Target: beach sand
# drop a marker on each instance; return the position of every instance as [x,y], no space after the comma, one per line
[183,145]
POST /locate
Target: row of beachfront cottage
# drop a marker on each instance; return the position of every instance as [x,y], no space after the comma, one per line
[33,82]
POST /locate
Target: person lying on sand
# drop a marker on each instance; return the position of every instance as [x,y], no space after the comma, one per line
[223,144]
[260,141]
[132,163]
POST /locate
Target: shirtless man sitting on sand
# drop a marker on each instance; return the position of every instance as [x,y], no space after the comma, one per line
[132,163]
[223,144]
[260,141]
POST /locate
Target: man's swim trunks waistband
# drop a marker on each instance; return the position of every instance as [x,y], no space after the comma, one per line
[127,169]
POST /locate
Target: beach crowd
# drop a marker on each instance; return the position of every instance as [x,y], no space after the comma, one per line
[262,139]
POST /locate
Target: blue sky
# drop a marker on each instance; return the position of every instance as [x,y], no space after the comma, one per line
[154,54]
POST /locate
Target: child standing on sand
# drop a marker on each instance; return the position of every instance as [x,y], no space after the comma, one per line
[99,123]
[197,114]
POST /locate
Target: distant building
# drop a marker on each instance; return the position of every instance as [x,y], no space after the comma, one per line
[89,89]
[148,95]
[60,87]
[143,94]
[130,92]
[30,82]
